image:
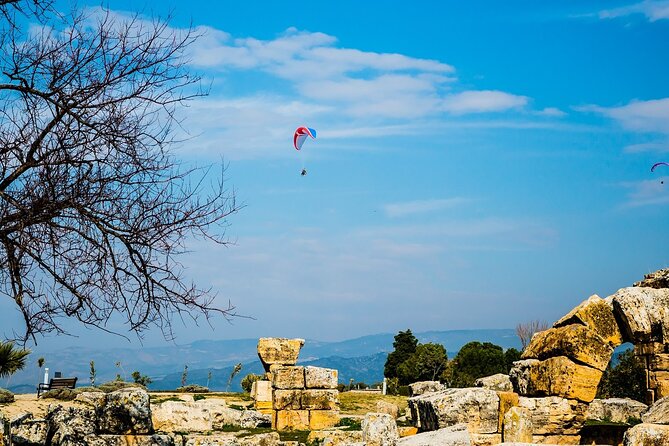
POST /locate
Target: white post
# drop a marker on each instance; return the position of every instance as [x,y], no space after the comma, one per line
[46,375]
[385,385]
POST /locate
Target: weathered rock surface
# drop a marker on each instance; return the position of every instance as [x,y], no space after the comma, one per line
[29,432]
[334,437]
[126,440]
[279,351]
[386,407]
[456,435]
[576,342]
[421,387]
[557,376]
[288,377]
[70,425]
[596,314]
[320,378]
[291,419]
[643,314]
[379,429]
[518,425]
[323,419]
[657,279]
[320,399]
[181,416]
[555,415]
[499,382]
[616,410]
[287,399]
[658,413]
[126,411]
[647,435]
[476,406]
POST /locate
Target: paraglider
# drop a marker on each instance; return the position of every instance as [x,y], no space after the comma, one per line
[652,169]
[301,134]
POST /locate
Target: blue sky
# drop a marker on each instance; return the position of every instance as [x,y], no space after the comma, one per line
[478,164]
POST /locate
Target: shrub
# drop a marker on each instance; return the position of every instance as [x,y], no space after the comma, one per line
[248,380]
[60,394]
[351,424]
[6,396]
[111,386]
[193,388]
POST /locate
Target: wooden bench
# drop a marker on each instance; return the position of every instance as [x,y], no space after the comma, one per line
[56,383]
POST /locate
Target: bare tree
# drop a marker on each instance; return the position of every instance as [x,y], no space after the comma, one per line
[526,330]
[94,209]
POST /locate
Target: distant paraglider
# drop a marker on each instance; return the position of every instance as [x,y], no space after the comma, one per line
[301,134]
[652,169]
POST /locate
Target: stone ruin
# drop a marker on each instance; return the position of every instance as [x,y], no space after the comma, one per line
[297,397]
[555,382]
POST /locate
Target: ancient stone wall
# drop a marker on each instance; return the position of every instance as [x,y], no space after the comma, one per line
[298,397]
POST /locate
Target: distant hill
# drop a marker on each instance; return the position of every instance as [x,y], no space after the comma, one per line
[361,359]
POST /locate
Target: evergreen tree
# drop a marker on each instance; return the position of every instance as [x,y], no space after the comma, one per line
[626,380]
[404,346]
[477,360]
[425,364]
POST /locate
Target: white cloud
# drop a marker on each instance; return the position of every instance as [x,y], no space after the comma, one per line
[648,192]
[482,101]
[552,112]
[657,147]
[422,206]
[640,116]
[653,10]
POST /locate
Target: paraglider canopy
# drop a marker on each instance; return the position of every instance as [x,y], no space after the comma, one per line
[300,136]
[652,169]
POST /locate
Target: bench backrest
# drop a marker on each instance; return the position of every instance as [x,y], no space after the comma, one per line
[62,383]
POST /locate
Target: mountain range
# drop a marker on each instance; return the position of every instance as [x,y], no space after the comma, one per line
[210,362]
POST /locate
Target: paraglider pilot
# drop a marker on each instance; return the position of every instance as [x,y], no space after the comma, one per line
[304,172]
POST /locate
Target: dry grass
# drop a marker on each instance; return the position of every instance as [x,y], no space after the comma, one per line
[360,403]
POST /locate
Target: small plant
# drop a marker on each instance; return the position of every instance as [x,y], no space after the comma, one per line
[198,397]
[116,385]
[350,424]
[93,373]
[118,375]
[248,380]
[6,396]
[184,376]
[60,394]
[141,379]
[235,370]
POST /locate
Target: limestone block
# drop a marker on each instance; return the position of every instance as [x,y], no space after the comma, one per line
[127,440]
[406,431]
[126,411]
[70,425]
[475,406]
[554,415]
[279,351]
[650,348]
[507,400]
[643,314]
[658,413]
[379,429]
[320,399]
[499,382]
[266,407]
[647,435]
[289,377]
[320,378]
[323,419]
[386,407]
[616,410]
[291,420]
[261,390]
[558,376]
[574,341]
[456,435]
[334,437]
[659,381]
[596,314]
[29,432]
[421,387]
[550,440]
[658,361]
[230,439]
[485,439]
[287,399]
[518,425]
[222,417]
[182,416]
